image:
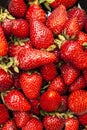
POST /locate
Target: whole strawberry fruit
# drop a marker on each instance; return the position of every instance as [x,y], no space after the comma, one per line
[83,119]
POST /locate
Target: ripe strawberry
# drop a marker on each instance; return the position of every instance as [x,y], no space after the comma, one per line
[85,26]
[17,8]
[33,58]
[15,101]
[50,100]
[80,14]
[69,73]
[4,115]
[83,119]
[82,38]
[71,124]
[31,84]
[77,102]
[48,71]
[79,83]
[21,118]
[20,28]
[33,124]
[58,85]
[9,125]
[6,80]
[72,27]
[40,35]
[66,3]
[72,52]
[53,123]
[35,11]
[57,19]
[3,43]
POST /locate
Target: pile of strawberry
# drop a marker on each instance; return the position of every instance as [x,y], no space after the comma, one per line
[43,65]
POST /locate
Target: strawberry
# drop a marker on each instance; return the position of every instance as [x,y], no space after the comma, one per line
[83,119]
[20,28]
[69,73]
[33,58]
[57,19]
[4,115]
[72,52]
[48,71]
[40,35]
[21,118]
[80,14]
[58,85]
[31,84]
[85,26]
[33,124]
[6,80]
[71,27]
[53,123]
[82,38]
[79,83]
[15,101]
[85,75]
[77,102]
[35,11]
[71,124]
[9,125]
[3,43]
[17,8]
[50,100]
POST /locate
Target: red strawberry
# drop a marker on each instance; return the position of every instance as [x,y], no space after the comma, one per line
[57,19]
[40,35]
[83,119]
[69,73]
[53,123]
[4,115]
[20,28]
[9,125]
[85,26]
[48,71]
[35,11]
[6,80]
[17,8]
[80,14]
[82,38]
[50,100]
[21,118]
[79,83]
[15,100]
[31,84]
[33,58]
[72,52]
[71,27]
[3,43]
[58,85]
[77,102]
[33,124]
[71,124]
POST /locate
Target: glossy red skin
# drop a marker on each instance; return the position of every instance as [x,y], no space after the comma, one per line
[83,119]
[3,43]
[33,58]
[69,73]
[48,71]
[4,115]
[58,85]
[53,123]
[40,35]
[31,84]
[9,125]
[33,124]
[15,100]
[21,118]
[77,102]
[50,100]
[71,124]
[20,28]
[82,37]
[35,11]
[17,8]
[6,80]
[57,19]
